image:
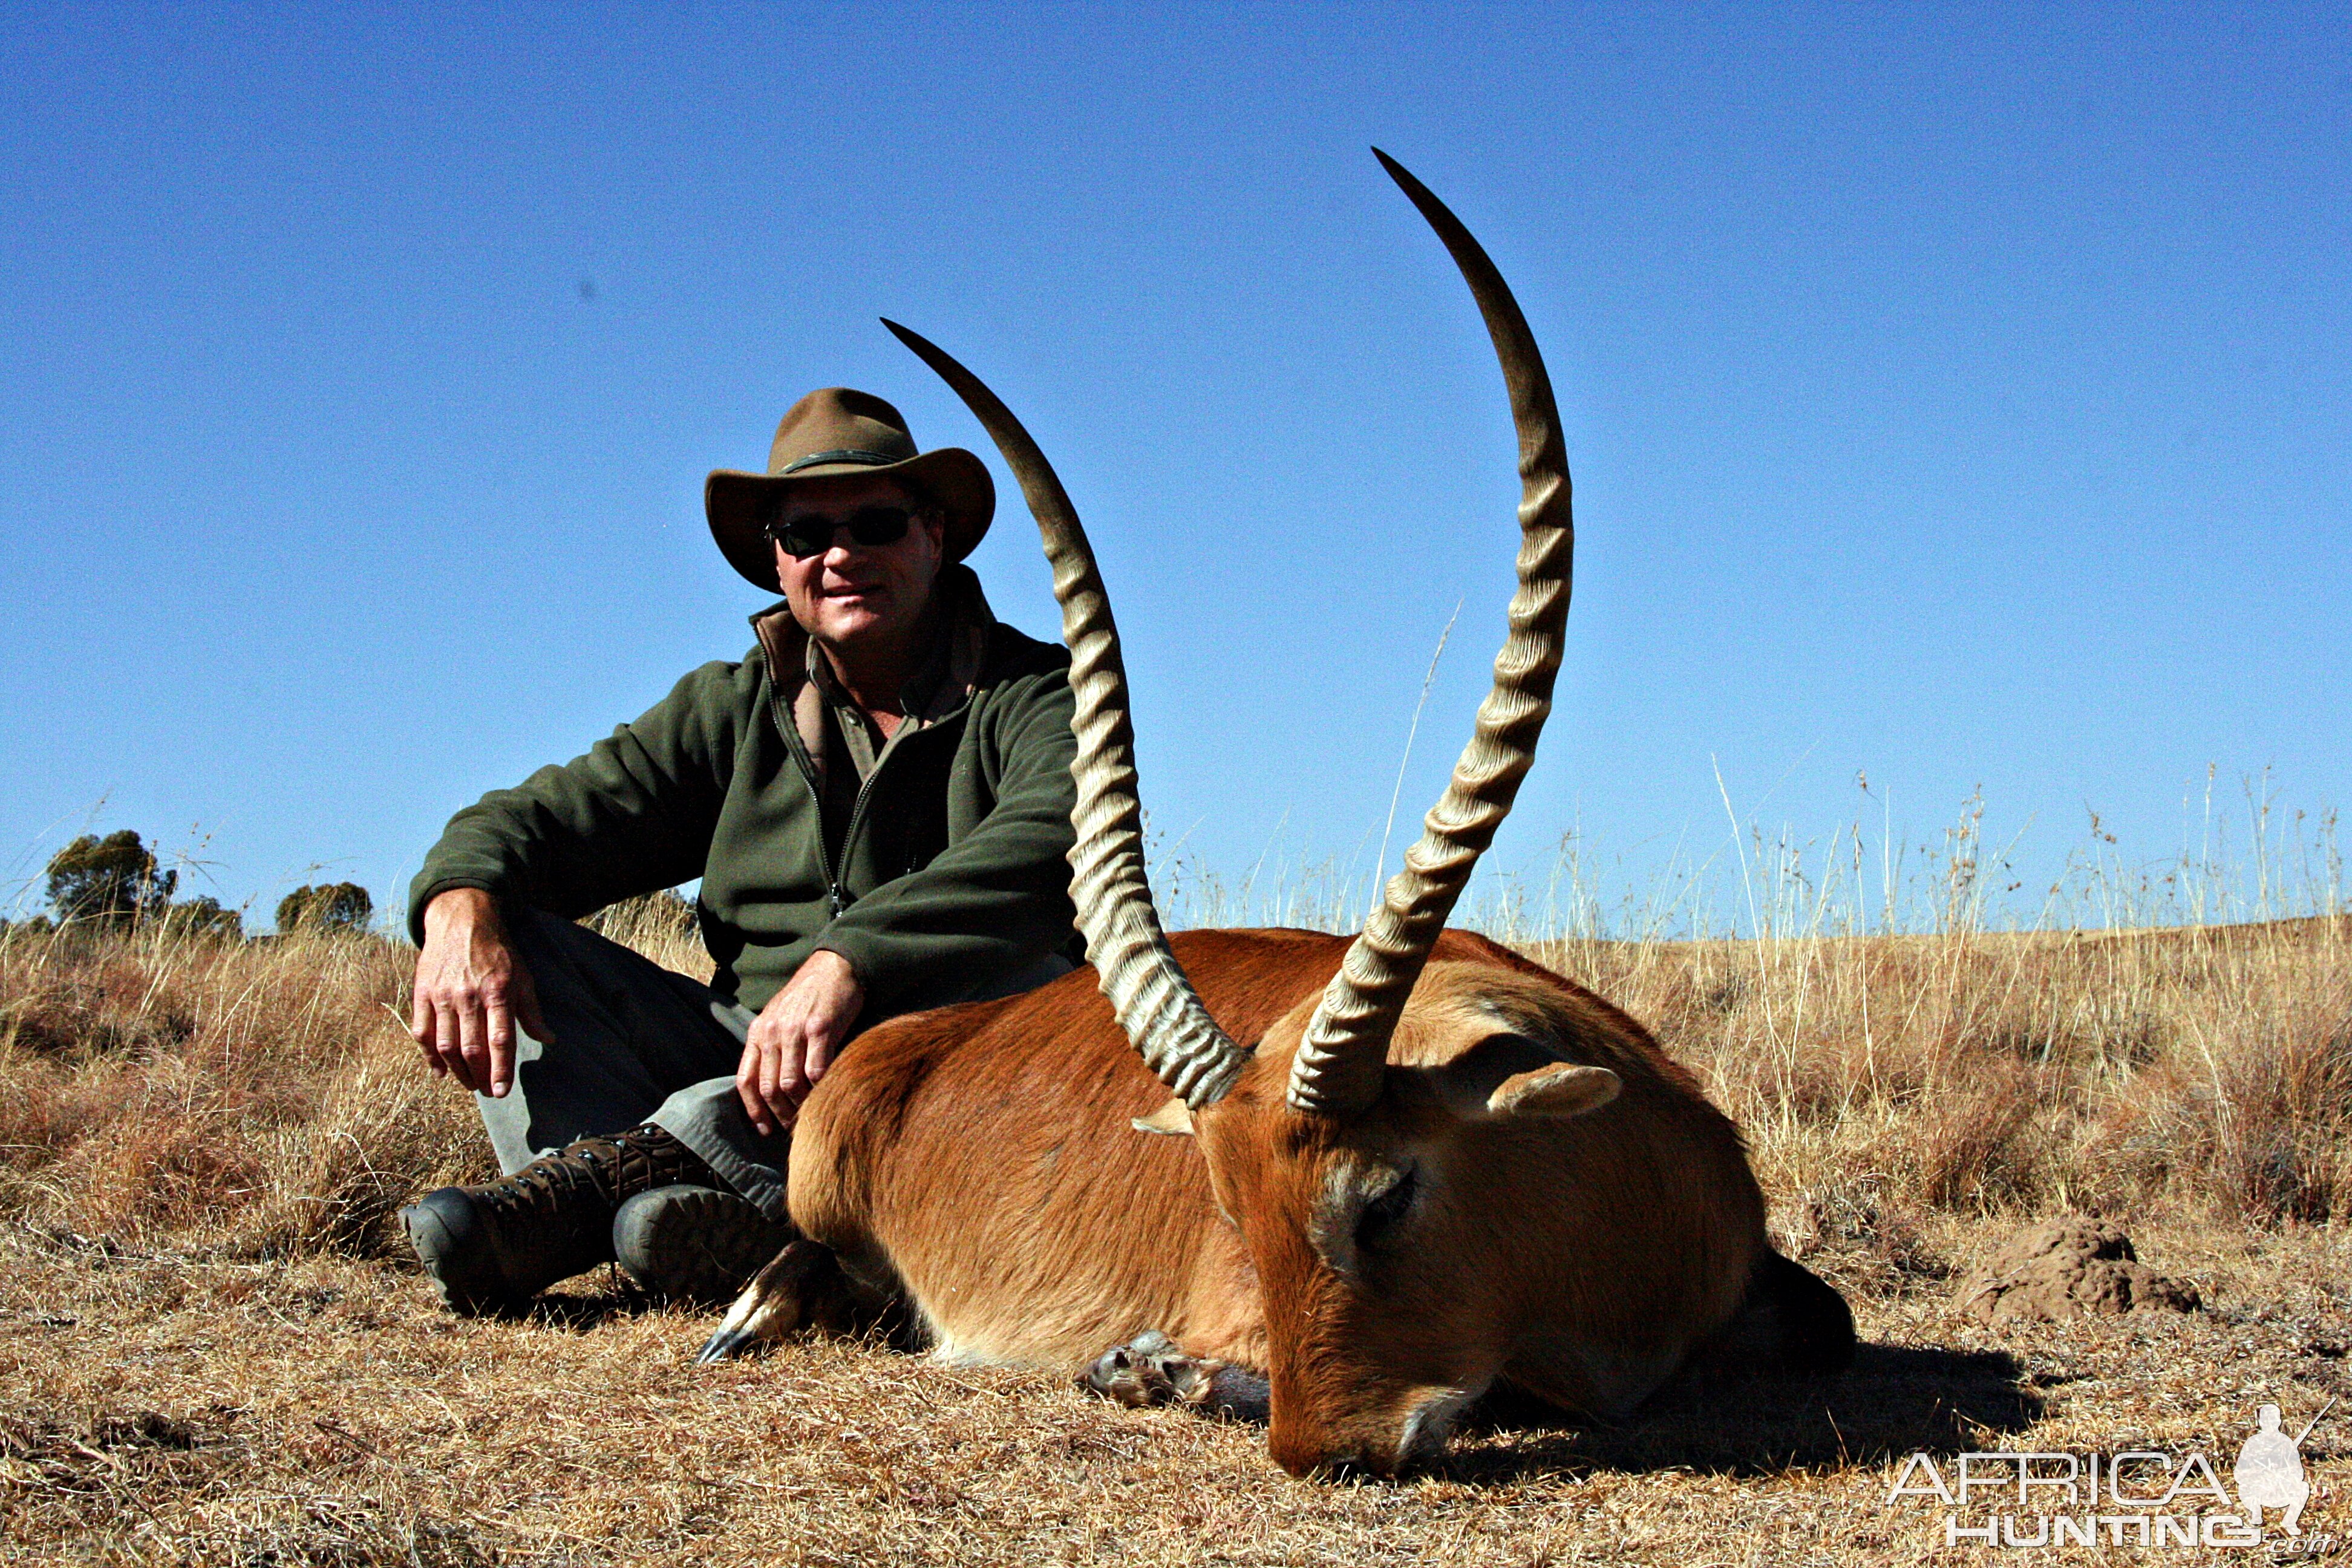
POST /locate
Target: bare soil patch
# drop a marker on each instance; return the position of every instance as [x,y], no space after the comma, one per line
[2069,1268]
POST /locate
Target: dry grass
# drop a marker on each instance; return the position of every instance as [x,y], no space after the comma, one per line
[213,1350]
[252,1100]
[2204,1074]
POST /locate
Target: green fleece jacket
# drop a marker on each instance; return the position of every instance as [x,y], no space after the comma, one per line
[951,868]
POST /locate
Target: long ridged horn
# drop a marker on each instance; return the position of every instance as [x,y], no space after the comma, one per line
[1163,1016]
[1341,1058]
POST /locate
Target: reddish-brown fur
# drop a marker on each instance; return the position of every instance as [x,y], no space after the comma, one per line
[980,1164]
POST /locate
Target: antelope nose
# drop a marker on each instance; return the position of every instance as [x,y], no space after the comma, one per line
[1431,1423]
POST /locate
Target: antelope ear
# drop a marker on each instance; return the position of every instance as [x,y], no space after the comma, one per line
[1561,1090]
[1173,1120]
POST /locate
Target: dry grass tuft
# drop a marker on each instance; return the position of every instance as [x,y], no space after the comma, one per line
[2204,1074]
[240,1099]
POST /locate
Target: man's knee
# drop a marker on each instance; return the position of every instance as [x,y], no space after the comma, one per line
[569,962]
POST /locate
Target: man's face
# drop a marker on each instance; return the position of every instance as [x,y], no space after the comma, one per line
[849,592]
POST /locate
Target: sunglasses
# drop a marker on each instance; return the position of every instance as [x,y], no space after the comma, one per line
[811,533]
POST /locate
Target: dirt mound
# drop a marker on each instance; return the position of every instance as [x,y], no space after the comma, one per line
[2070,1268]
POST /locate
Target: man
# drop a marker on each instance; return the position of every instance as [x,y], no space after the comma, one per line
[877,800]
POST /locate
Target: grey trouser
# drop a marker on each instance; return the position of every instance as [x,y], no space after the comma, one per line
[637,1043]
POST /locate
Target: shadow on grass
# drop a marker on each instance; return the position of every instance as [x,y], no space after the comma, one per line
[1894,1400]
[591,1302]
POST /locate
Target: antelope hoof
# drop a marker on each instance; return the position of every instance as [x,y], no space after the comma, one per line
[1150,1370]
[725,1345]
[773,1305]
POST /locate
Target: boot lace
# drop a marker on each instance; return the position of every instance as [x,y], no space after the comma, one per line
[609,1168]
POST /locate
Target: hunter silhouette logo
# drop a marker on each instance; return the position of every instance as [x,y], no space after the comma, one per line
[2141,1498]
[2269,1472]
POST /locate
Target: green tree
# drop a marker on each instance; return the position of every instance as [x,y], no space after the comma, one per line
[331,907]
[108,882]
[204,916]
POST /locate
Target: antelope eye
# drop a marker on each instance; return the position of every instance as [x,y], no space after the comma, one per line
[1380,1215]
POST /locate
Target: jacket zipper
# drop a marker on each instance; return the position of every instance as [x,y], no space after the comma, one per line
[849,834]
[836,901]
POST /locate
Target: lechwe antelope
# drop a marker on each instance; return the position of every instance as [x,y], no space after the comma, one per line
[1384,1181]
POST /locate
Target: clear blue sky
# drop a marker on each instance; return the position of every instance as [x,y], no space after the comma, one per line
[1959,395]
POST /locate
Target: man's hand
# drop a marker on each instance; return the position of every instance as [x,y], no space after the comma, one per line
[470,992]
[795,1038]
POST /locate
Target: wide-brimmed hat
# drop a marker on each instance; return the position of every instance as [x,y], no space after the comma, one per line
[832,432]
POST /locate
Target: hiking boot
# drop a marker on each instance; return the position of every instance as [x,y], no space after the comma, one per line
[492,1247]
[695,1243]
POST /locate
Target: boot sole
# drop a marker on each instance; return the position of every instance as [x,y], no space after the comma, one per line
[694,1244]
